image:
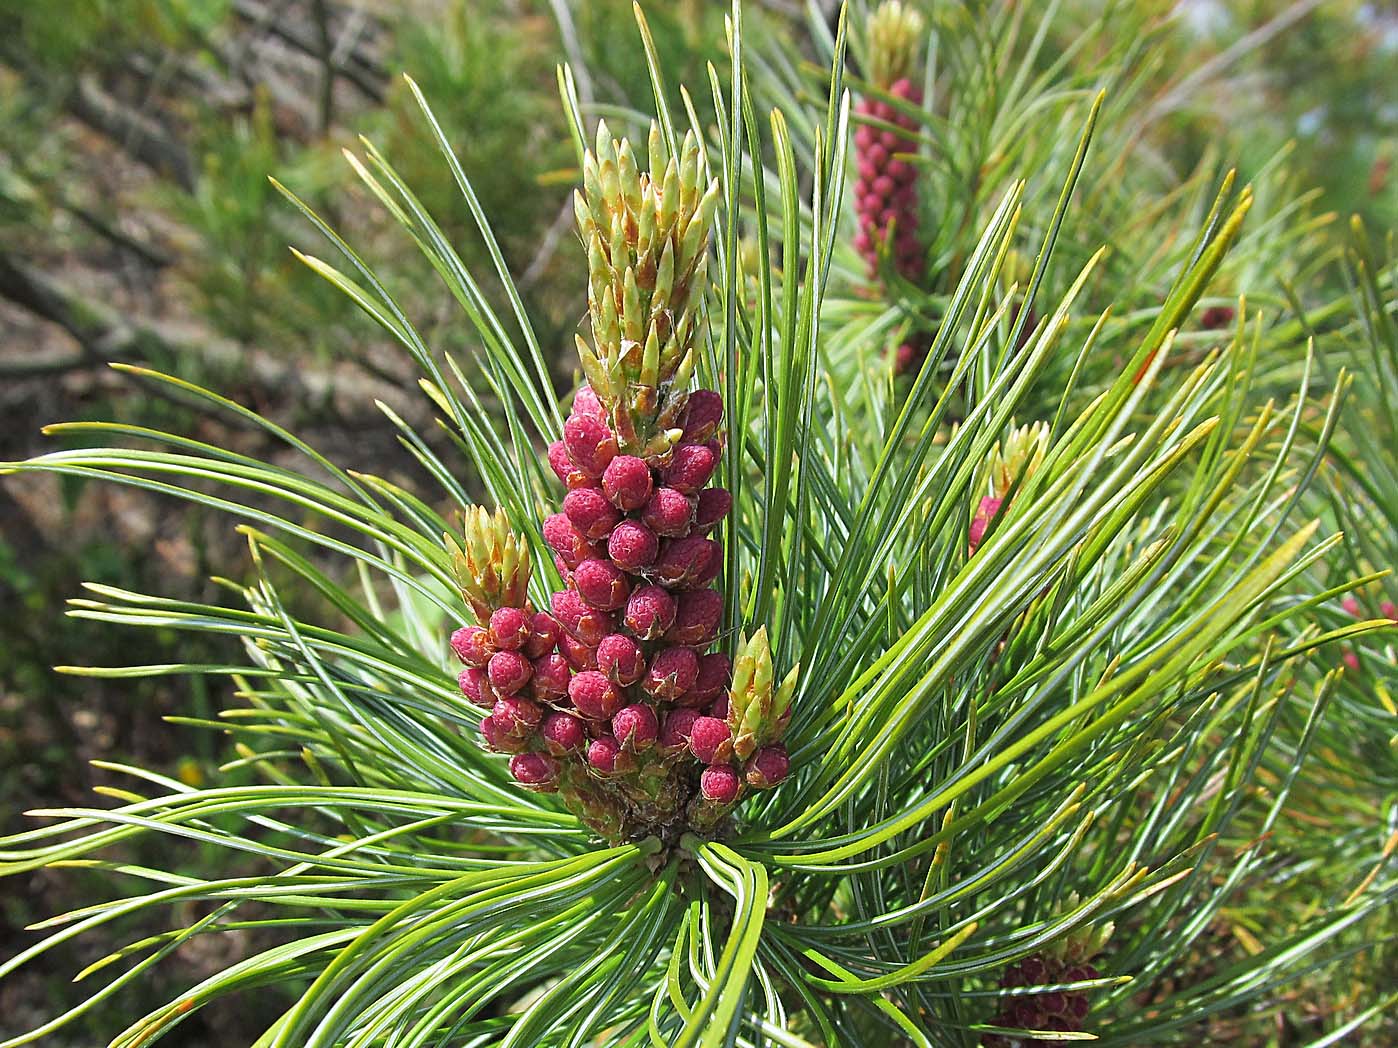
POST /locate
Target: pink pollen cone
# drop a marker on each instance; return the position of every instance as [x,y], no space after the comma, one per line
[472,645]
[475,685]
[672,673]
[632,546]
[650,612]
[696,618]
[498,741]
[702,416]
[767,767]
[535,771]
[674,737]
[543,635]
[585,402]
[516,717]
[589,511]
[714,504]
[719,784]
[563,467]
[509,628]
[710,741]
[568,542]
[550,680]
[589,442]
[635,726]
[689,563]
[985,513]
[601,584]
[627,483]
[585,623]
[578,655]
[620,659]
[563,734]
[669,513]
[715,673]
[690,468]
[509,671]
[594,696]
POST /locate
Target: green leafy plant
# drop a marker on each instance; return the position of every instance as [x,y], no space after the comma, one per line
[1031,762]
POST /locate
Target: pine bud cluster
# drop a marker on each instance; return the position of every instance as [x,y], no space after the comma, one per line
[1049,1010]
[1052,1011]
[613,695]
[885,192]
[1008,465]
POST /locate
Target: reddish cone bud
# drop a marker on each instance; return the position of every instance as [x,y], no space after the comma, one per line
[674,737]
[516,717]
[509,671]
[669,513]
[472,645]
[567,541]
[627,482]
[906,89]
[1389,610]
[650,612]
[475,685]
[719,784]
[605,755]
[535,771]
[710,741]
[719,708]
[985,513]
[697,616]
[672,673]
[1349,602]
[619,658]
[578,655]
[589,511]
[563,468]
[1216,317]
[563,734]
[633,547]
[498,741]
[585,623]
[543,635]
[690,468]
[585,402]
[550,680]
[589,442]
[714,504]
[767,767]
[509,628]
[635,726]
[595,697]
[703,413]
[601,584]
[715,674]
[689,563]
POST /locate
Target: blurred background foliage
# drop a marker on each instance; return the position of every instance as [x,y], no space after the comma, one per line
[137,224]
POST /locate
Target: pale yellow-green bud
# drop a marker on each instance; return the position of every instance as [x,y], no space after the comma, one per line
[894,35]
[1021,455]
[647,237]
[655,149]
[757,714]
[490,562]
